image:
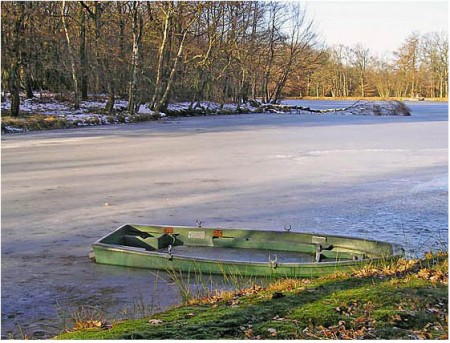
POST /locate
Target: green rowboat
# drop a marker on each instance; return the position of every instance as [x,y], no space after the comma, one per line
[237,251]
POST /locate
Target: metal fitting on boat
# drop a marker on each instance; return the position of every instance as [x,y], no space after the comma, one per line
[274,262]
[318,253]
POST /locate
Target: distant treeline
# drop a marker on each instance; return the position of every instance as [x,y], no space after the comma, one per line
[156,52]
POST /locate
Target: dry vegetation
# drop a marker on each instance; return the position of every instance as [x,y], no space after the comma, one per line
[405,299]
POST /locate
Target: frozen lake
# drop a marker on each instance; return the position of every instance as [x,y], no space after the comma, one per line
[374,177]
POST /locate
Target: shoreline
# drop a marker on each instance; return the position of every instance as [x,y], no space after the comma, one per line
[405,299]
[49,114]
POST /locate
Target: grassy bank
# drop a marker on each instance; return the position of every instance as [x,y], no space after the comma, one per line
[36,122]
[404,299]
[53,112]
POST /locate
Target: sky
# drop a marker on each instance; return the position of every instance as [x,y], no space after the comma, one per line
[381,26]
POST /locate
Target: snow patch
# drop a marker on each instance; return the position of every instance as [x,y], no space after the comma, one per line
[13,129]
[143,109]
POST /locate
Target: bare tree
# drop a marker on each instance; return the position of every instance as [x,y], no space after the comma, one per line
[383,74]
[186,15]
[167,9]
[134,65]
[360,61]
[407,58]
[435,56]
[83,55]
[64,14]
[276,12]
[299,48]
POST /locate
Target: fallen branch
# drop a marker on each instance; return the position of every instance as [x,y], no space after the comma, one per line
[360,107]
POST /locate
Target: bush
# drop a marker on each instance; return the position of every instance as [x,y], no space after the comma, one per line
[140,117]
[121,119]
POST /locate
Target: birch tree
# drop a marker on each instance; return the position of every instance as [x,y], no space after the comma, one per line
[76,98]
[167,10]
[137,25]
[276,11]
[83,55]
[186,15]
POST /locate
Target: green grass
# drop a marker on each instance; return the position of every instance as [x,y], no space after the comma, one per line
[404,300]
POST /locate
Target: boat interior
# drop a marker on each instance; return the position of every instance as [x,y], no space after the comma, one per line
[243,245]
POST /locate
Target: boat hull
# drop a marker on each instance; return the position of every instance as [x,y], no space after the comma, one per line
[156,247]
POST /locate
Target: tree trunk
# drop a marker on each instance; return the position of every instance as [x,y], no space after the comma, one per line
[162,50]
[362,85]
[83,57]
[137,34]
[28,81]
[111,98]
[76,102]
[14,85]
[345,94]
[281,83]
[14,72]
[271,55]
[164,99]
[123,76]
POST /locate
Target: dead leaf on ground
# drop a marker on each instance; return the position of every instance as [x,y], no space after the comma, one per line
[155,321]
[272,331]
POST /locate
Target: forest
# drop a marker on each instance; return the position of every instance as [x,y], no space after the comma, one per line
[160,52]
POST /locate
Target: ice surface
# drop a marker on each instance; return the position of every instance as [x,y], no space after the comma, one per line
[373,177]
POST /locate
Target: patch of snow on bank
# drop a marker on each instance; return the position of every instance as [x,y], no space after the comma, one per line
[120,105]
[86,119]
[12,129]
[180,106]
[208,106]
[184,106]
[48,108]
[143,109]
